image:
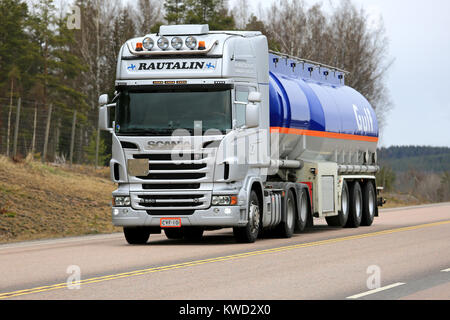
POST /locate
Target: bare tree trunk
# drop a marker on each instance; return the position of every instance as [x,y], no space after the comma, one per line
[47,131]
[72,138]
[33,142]
[16,129]
[9,118]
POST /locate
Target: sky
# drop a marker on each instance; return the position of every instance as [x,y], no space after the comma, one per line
[419,79]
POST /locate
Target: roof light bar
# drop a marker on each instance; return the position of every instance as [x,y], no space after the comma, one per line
[171,52]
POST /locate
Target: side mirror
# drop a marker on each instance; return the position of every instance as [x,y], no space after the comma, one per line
[252,115]
[103,99]
[254,97]
[103,118]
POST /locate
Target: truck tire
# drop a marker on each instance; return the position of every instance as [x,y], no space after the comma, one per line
[136,235]
[249,233]
[302,212]
[341,219]
[356,206]
[192,233]
[286,228]
[369,204]
[174,233]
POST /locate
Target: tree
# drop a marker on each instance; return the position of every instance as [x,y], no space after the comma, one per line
[386,178]
[254,24]
[149,14]
[175,11]
[16,47]
[212,12]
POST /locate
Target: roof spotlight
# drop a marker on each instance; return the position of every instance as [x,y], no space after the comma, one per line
[148,43]
[163,43]
[176,43]
[191,42]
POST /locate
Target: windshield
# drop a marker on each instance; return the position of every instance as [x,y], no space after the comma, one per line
[163,111]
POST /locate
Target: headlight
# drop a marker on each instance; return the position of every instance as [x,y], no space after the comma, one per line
[191,42]
[121,201]
[176,43]
[148,43]
[163,43]
[224,200]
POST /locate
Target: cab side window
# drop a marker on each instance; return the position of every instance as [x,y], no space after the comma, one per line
[241,100]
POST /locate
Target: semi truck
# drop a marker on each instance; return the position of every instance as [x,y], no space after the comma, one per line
[211,130]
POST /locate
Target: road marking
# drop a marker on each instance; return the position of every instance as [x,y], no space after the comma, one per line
[363,294]
[446,270]
[217,259]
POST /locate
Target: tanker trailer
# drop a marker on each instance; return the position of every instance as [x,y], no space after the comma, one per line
[333,129]
[268,142]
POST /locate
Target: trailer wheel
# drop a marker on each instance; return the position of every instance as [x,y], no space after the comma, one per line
[136,235]
[369,204]
[286,228]
[341,219]
[356,206]
[174,233]
[302,212]
[249,233]
[192,233]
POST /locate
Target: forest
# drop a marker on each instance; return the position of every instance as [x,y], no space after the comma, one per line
[57,57]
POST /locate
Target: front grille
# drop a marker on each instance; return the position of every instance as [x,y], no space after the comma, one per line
[173,182]
[168,166]
[173,176]
[178,186]
[176,156]
[171,200]
[176,166]
[170,212]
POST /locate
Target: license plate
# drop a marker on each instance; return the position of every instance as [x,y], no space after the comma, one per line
[170,222]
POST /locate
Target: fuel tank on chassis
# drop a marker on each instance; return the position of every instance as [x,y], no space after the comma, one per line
[315,117]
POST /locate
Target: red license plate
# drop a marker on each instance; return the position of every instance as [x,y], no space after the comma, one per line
[170,222]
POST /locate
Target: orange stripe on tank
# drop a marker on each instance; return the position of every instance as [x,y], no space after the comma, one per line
[322,134]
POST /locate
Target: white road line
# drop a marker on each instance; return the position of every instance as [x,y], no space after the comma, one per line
[446,270]
[359,295]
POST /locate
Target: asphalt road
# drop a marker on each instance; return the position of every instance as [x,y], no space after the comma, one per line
[404,255]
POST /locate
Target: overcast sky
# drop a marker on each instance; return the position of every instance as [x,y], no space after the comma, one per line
[419,80]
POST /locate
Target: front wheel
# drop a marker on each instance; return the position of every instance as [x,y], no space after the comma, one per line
[136,235]
[249,233]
